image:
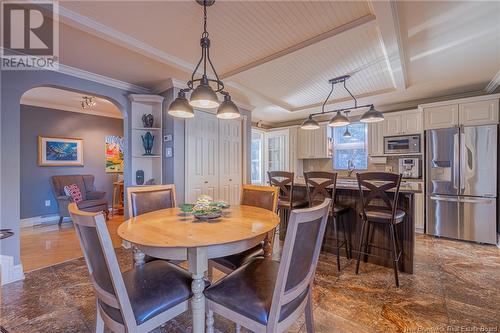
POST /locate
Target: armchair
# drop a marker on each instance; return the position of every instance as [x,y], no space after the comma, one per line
[93,200]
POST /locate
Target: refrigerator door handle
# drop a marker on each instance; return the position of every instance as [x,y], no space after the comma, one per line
[463,160]
[476,200]
[456,165]
[443,198]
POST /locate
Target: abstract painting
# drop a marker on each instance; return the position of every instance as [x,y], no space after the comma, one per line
[114,153]
[60,151]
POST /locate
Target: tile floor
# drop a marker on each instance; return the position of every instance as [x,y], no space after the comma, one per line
[455,287]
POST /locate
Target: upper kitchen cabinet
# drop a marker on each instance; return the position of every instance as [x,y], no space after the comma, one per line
[376,139]
[441,116]
[481,110]
[313,144]
[478,113]
[402,123]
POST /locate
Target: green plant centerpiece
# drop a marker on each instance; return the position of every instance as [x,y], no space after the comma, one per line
[205,208]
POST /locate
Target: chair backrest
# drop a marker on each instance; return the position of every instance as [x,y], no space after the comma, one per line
[317,183]
[260,196]
[84,182]
[377,184]
[102,264]
[303,240]
[283,180]
[145,199]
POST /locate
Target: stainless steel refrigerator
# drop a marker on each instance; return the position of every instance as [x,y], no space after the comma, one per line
[461,189]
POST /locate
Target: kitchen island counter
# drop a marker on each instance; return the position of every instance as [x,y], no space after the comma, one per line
[347,194]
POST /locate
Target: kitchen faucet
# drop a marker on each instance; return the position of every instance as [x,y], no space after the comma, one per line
[350,168]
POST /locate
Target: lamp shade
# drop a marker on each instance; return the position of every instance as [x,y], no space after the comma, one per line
[347,134]
[227,109]
[204,97]
[339,120]
[180,107]
[309,124]
[372,116]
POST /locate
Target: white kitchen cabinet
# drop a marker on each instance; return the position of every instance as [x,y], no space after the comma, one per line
[419,212]
[441,116]
[313,144]
[376,139]
[411,122]
[478,113]
[392,124]
[403,123]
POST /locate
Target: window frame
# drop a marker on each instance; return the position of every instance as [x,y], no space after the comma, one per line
[349,146]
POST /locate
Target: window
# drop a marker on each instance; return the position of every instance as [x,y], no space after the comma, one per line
[257,161]
[354,148]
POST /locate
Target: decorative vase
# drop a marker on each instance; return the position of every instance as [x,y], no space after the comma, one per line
[147,120]
[147,142]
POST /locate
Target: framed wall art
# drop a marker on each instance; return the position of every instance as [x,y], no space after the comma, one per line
[60,151]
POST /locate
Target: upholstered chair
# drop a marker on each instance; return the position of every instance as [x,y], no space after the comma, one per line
[93,200]
[138,300]
[251,195]
[145,199]
[269,296]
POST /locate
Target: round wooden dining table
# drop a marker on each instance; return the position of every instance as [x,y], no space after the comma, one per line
[171,234]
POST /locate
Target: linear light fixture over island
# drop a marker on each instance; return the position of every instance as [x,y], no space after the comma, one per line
[340,118]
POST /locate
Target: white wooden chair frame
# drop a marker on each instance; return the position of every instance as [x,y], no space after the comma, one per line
[280,296]
[271,236]
[121,301]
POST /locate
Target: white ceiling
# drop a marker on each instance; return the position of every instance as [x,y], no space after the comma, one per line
[278,56]
[59,99]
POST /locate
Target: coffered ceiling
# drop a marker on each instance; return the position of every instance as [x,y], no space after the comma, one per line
[278,55]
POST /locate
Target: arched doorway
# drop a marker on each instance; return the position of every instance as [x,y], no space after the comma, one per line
[66,137]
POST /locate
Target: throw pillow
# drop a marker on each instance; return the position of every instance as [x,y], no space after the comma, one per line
[74,192]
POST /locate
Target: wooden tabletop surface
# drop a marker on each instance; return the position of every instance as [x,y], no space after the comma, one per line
[167,228]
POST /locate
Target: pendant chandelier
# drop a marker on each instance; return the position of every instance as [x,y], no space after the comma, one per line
[204,96]
[341,115]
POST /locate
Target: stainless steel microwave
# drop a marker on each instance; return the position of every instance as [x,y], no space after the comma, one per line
[408,144]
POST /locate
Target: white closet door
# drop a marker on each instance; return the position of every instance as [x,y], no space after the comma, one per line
[230,160]
[201,156]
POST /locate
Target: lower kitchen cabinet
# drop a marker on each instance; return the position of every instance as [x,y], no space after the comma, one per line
[419,212]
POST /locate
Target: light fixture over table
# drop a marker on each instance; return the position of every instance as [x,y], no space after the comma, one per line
[88,102]
[340,118]
[204,96]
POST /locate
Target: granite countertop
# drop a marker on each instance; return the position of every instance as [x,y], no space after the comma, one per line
[408,187]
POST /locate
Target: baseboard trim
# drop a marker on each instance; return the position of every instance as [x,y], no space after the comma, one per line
[39,220]
[8,271]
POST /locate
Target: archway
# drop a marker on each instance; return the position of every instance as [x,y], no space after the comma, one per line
[58,125]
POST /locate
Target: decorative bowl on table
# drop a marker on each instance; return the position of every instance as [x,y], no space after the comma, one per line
[207,209]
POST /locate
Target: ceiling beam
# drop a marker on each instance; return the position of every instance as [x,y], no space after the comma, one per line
[390,38]
[308,42]
[494,83]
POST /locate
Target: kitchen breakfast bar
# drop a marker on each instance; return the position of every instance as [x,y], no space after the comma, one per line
[347,194]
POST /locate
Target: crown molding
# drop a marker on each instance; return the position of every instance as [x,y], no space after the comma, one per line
[493,84]
[57,106]
[146,98]
[83,74]
[168,84]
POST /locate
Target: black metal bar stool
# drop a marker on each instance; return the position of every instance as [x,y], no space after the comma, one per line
[379,209]
[286,203]
[317,184]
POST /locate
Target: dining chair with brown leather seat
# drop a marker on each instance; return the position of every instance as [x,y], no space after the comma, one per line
[284,180]
[145,199]
[269,296]
[137,300]
[251,195]
[321,185]
[379,209]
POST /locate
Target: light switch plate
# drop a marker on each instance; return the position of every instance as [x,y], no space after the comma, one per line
[169,152]
[167,138]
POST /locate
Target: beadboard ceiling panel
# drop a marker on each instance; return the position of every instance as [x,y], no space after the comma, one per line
[300,79]
[241,32]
